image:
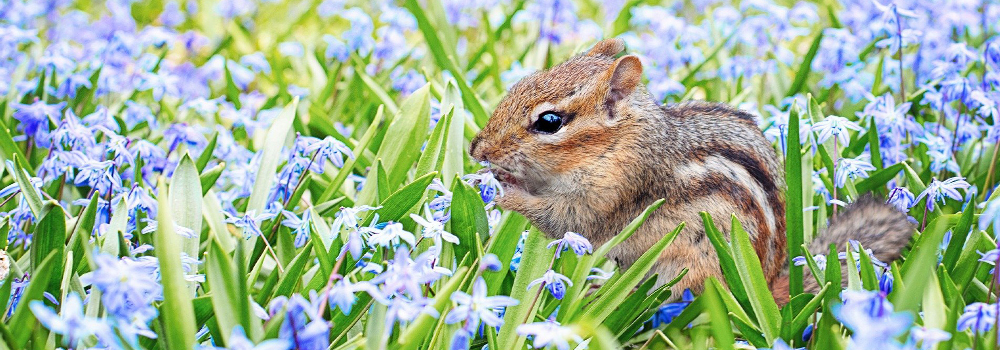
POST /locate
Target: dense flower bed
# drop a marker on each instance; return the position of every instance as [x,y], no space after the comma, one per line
[277,174]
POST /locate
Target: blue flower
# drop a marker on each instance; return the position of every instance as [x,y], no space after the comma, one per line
[901,198]
[554,282]
[852,168]
[928,337]
[303,324]
[128,289]
[549,333]
[34,118]
[515,261]
[834,126]
[574,241]
[249,222]
[71,323]
[343,294]
[434,229]
[490,262]
[238,341]
[489,187]
[871,319]
[390,236]
[990,216]
[470,309]
[938,191]
[300,226]
[668,312]
[978,317]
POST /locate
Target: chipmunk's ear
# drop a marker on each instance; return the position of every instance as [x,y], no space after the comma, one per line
[626,74]
[607,47]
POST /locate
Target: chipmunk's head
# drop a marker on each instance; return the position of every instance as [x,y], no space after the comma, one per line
[556,125]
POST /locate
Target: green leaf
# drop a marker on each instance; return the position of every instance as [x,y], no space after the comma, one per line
[358,150]
[293,273]
[111,240]
[405,135]
[920,265]
[794,234]
[503,244]
[208,178]
[206,154]
[232,307]
[176,311]
[958,237]
[232,92]
[433,154]
[185,201]
[444,61]
[801,319]
[9,149]
[398,204]
[30,192]
[803,73]
[270,157]
[722,331]
[375,88]
[49,238]
[468,219]
[34,291]
[612,295]
[726,261]
[535,260]
[879,178]
[747,262]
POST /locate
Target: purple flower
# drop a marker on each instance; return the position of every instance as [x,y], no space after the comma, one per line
[852,168]
[938,191]
[928,337]
[34,118]
[490,262]
[71,322]
[470,309]
[489,186]
[990,216]
[249,222]
[871,319]
[834,126]
[978,317]
[390,236]
[303,324]
[554,282]
[300,226]
[668,312]
[549,333]
[901,198]
[574,241]
[343,294]
[327,148]
[434,229]
[128,286]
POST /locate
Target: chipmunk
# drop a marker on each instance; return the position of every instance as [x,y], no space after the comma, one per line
[583,147]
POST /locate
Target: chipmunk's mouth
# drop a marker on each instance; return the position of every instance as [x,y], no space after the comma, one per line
[507,179]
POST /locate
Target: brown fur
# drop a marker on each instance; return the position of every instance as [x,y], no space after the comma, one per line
[619,151]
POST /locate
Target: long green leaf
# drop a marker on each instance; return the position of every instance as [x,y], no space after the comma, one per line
[177,311]
[270,157]
[185,201]
[747,262]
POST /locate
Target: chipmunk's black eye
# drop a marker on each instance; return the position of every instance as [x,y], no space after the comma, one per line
[548,123]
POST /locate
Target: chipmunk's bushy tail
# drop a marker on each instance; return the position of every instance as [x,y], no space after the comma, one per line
[876,225]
